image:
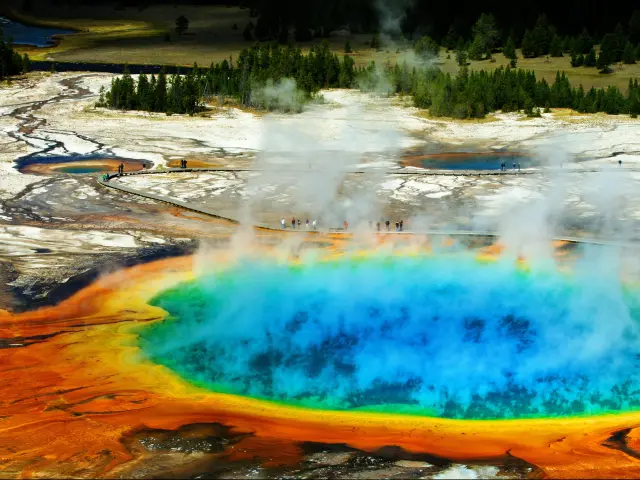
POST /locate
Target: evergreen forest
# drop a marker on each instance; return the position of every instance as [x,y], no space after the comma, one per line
[11,63]
[469,94]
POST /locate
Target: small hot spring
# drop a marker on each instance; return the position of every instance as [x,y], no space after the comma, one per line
[470,161]
[47,165]
[445,336]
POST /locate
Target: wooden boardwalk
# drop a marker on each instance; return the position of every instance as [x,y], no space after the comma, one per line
[113,183]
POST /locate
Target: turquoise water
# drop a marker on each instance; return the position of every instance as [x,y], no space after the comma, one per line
[477,162]
[29,35]
[82,169]
[444,336]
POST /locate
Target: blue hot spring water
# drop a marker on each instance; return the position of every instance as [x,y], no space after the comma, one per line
[442,335]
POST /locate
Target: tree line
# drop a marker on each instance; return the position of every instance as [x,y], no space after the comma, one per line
[473,94]
[244,81]
[620,45]
[11,62]
[470,94]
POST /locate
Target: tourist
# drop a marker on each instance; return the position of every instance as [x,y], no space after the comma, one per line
[299,223]
[619,162]
[514,166]
[307,224]
[387,224]
[378,226]
[346,225]
[518,166]
[293,223]
[282,222]
[121,167]
[397,227]
[314,224]
[401,225]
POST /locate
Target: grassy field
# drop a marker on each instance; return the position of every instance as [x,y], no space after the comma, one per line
[117,35]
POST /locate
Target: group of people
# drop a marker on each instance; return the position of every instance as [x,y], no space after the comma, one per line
[313,224]
[183,163]
[503,166]
[387,224]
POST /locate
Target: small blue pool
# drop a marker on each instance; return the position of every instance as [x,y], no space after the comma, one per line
[472,161]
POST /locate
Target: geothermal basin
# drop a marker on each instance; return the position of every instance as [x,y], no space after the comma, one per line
[453,335]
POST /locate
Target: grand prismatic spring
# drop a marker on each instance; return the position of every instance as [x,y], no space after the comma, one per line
[235,305]
[446,352]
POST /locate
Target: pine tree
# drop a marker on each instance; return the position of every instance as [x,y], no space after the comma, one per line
[426,47]
[634,102]
[541,36]
[160,97]
[613,45]
[604,62]
[475,51]
[450,40]
[555,49]
[142,93]
[375,42]
[26,64]
[577,60]
[461,54]
[509,49]
[584,42]
[485,37]
[182,24]
[629,54]
[528,45]
[590,60]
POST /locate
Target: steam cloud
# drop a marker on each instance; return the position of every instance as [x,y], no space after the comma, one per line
[444,335]
[441,335]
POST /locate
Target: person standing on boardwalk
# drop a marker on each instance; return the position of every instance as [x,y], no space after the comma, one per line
[346,225]
[293,222]
[378,226]
[387,224]
[298,223]
[307,224]
[314,224]
[282,222]
[401,225]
